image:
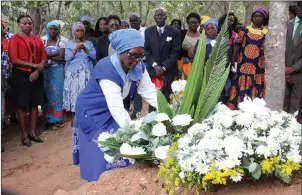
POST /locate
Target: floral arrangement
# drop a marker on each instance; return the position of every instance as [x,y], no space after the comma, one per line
[147,138]
[253,141]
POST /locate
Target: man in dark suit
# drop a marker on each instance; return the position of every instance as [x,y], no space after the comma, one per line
[162,47]
[293,62]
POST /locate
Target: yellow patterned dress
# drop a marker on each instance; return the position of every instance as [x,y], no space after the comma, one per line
[250,77]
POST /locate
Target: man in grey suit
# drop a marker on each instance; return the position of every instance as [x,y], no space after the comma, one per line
[293,62]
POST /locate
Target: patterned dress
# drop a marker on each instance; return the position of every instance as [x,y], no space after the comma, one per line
[249,79]
[53,84]
[77,74]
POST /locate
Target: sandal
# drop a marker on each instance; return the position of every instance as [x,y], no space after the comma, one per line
[25,141]
[35,139]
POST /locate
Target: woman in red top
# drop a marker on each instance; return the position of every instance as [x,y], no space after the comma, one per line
[27,55]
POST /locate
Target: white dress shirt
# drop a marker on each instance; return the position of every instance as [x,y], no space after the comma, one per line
[141,30]
[114,96]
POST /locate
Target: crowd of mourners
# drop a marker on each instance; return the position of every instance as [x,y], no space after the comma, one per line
[96,74]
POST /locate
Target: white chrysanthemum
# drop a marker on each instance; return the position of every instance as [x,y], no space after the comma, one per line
[109,159]
[178,86]
[260,124]
[160,117]
[182,175]
[202,169]
[161,152]
[159,130]
[195,129]
[226,121]
[234,146]
[263,150]
[294,156]
[182,120]
[244,119]
[236,178]
[276,133]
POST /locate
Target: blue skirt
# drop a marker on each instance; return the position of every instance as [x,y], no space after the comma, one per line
[89,156]
[53,85]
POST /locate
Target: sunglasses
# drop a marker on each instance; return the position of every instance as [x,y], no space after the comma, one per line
[135,56]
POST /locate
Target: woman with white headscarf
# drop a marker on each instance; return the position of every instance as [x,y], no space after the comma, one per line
[102,105]
[79,56]
[54,75]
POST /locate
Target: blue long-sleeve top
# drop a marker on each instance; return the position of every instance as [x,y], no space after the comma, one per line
[80,59]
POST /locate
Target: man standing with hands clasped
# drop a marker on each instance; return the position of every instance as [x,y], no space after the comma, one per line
[293,62]
[162,47]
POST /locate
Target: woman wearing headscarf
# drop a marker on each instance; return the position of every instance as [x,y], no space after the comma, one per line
[54,75]
[27,56]
[125,24]
[101,105]
[248,60]
[211,32]
[79,56]
[189,38]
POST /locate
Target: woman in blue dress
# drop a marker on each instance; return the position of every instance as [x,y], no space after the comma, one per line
[54,74]
[101,105]
[79,56]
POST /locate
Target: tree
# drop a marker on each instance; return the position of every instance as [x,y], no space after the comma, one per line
[275,55]
[249,6]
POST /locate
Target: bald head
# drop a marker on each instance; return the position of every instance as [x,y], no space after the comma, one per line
[160,17]
[135,21]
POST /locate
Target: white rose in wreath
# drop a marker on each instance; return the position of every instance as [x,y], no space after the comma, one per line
[182,120]
[161,152]
[159,130]
[160,117]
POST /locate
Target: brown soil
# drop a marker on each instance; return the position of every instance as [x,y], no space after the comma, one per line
[42,168]
[143,180]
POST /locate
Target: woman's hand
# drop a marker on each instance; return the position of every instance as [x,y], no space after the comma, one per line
[34,76]
[39,67]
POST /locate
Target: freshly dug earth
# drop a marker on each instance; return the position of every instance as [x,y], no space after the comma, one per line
[141,179]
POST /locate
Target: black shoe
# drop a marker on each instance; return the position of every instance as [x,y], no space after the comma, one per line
[14,119]
[24,142]
[35,139]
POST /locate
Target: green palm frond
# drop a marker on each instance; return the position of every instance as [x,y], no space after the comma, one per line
[194,83]
[163,105]
[215,76]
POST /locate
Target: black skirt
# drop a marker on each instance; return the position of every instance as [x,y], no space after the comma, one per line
[24,93]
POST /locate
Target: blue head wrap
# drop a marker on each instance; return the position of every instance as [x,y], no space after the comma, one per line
[50,24]
[211,21]
[125,39]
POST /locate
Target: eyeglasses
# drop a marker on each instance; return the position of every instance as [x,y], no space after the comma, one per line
[135,56]
[25,23]
[114,25]
[193,22]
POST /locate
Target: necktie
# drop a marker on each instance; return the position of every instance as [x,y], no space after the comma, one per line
[297,33]
[160,31]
